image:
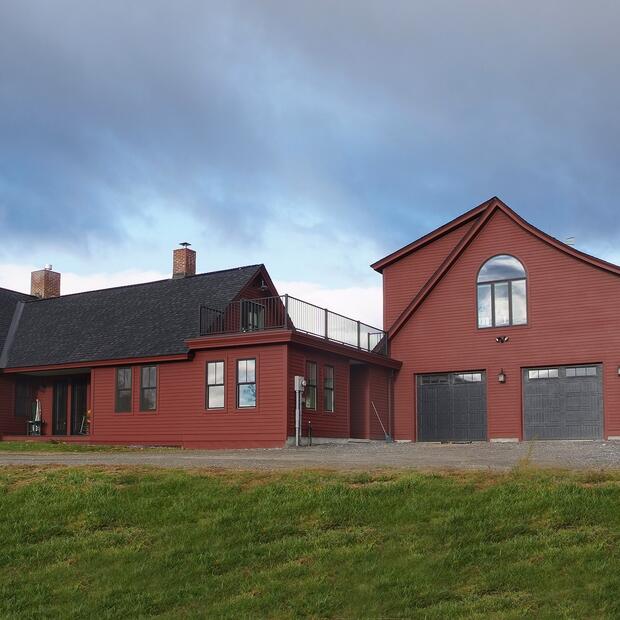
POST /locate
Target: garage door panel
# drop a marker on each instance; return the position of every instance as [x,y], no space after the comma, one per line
[567,406]
[451,407]
[436,402]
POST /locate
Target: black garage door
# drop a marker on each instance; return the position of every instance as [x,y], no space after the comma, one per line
[563,402]
[452,407]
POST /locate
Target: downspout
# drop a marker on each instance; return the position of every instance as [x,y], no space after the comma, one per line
[390,413]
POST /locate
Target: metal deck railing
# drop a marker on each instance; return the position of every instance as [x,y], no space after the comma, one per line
[287,312]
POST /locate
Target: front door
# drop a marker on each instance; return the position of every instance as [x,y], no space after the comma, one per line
[59,409]
[78,406]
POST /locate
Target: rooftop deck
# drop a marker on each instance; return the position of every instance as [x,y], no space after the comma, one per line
[287,312]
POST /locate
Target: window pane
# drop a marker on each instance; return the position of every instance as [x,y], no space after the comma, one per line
[148,377]
[215,373]
[570,372]
[247,395]
[329,377]
[591,371]
[484,305]
[123,401]
[311,397]
[216,397]
[519,303]
[123,378]
[251,371]
[311,372]
[502,308]
[211,373]
[553,373]
[329,400]
[149,399]
[502,267]
[533,374]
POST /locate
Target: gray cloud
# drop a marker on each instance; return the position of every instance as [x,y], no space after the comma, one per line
[380,119]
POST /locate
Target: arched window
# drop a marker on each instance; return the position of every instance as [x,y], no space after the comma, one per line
[502,292]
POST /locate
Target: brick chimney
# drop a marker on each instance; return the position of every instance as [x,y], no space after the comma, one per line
[45,283]
[183,261]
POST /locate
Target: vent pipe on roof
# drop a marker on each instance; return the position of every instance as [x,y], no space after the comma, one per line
[183,261]
[45,283]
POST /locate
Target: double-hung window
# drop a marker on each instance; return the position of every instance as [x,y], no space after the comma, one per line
[311,385]
[246,383]
[328,389]
[215,385]
[123,390]
[148,388]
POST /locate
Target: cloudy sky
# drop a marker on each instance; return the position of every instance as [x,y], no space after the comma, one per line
[312,136]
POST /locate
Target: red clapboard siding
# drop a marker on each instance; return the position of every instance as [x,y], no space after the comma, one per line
[181,417]
[404,278]
[378,394]
[324,424]
[573,318]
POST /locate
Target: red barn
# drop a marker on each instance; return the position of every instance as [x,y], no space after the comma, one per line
[504,333]
[494,331]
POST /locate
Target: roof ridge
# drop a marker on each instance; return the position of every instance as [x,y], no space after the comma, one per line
[10,290]
[124,286]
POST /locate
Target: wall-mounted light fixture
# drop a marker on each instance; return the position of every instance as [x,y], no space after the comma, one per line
[619,371]
[501,377]
[502,339]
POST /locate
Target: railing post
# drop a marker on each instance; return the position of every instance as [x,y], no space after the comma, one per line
[359,337]
[285,310]
[326,323]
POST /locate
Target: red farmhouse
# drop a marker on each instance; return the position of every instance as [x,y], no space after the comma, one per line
[494,331]
[204,360]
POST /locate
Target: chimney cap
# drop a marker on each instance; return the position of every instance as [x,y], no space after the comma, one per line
[48,267]
[185,244]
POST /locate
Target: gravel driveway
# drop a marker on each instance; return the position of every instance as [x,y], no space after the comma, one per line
[373,455]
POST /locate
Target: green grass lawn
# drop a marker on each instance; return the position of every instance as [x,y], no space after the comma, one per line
[60,446]
[128,543]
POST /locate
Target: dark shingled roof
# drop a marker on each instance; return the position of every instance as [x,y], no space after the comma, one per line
[140,320]
[8,302]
